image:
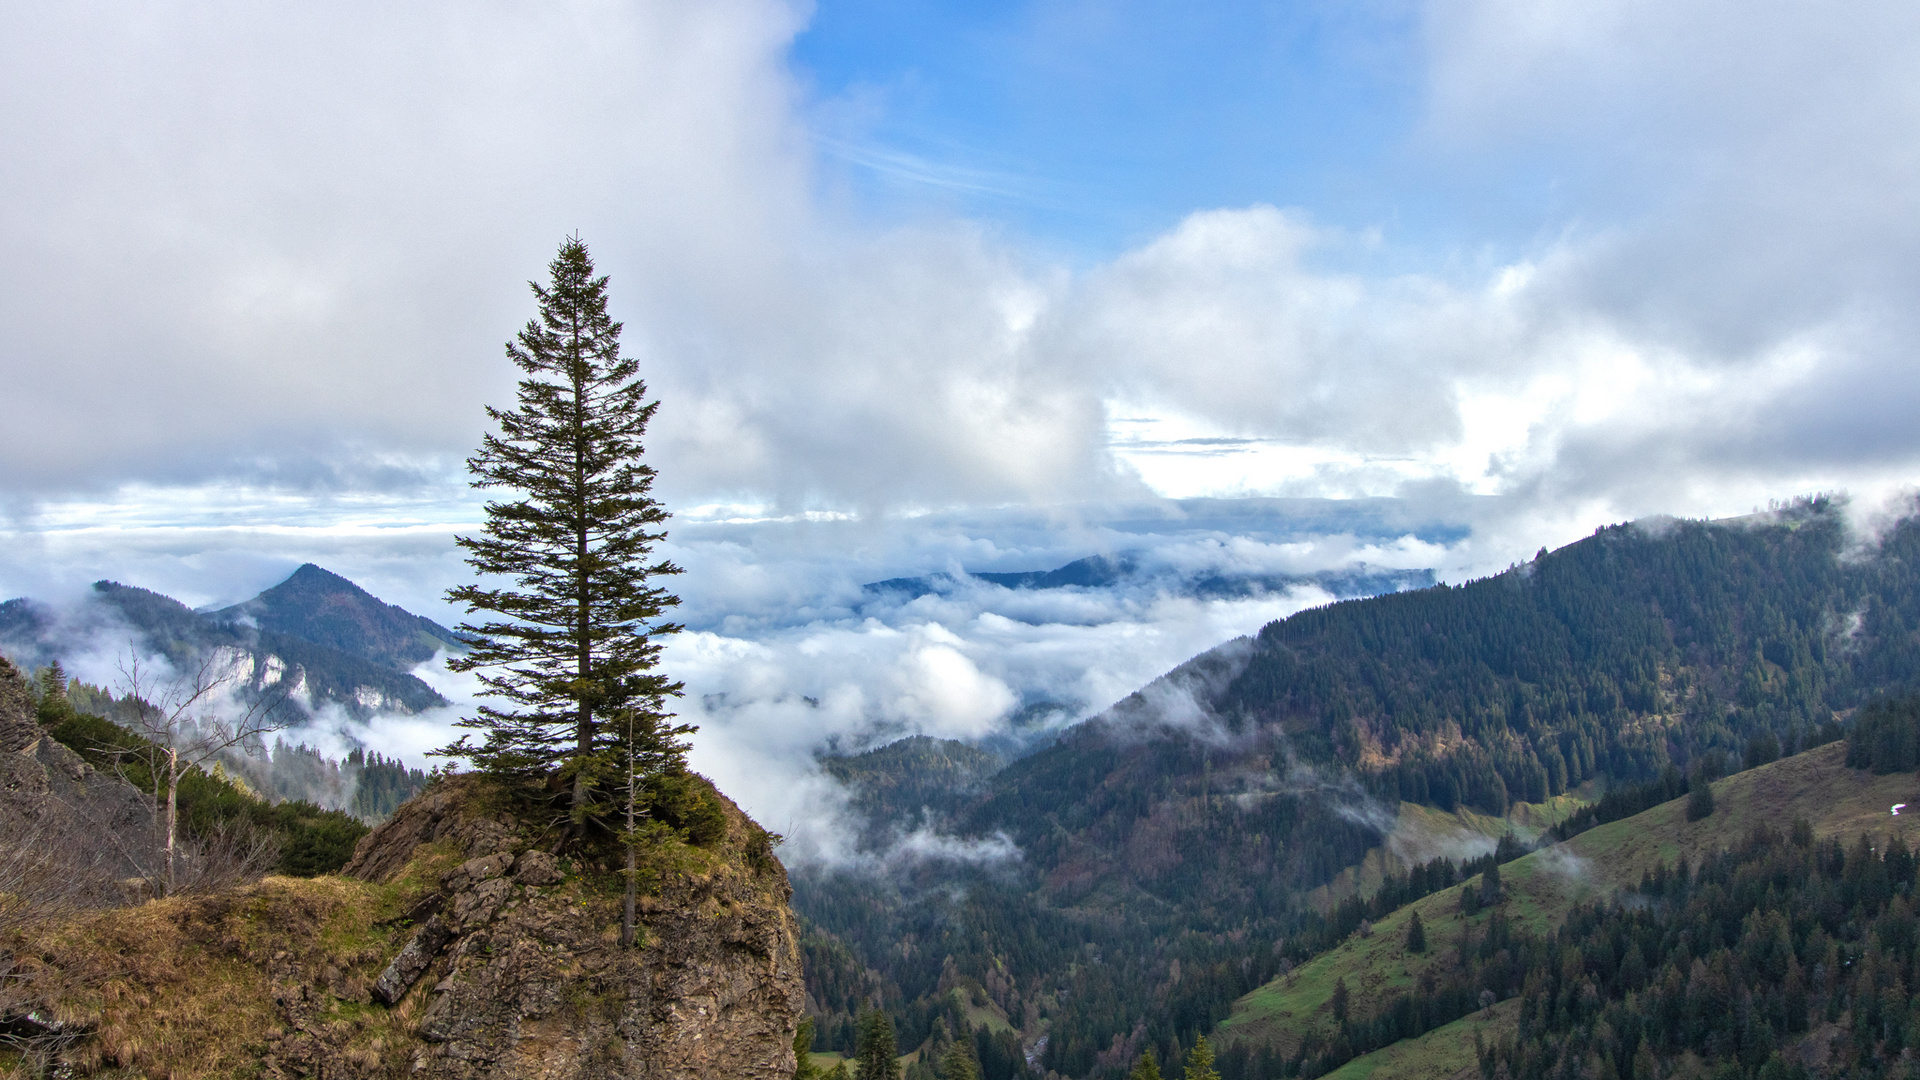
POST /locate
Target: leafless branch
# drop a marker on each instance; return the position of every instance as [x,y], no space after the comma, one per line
[189,721]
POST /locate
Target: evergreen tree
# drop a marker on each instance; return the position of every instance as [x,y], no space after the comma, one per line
[803,1067]
[875,1057]
[51,694]
[571,644]
[1416,935]
[1340,1000]
[1146,1068]
[1200,1062]
[1490,888]
[1700,796]
[957,1063]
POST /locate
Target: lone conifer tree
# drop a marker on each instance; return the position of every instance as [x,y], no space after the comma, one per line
[573,644]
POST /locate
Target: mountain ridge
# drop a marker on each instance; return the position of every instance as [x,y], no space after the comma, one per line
[320,606]
[314,640]
[1105,571]
[1194,820]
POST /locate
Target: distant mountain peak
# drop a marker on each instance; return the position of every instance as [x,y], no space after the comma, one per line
[320,606]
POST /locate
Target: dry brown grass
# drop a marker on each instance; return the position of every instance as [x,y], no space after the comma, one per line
[273,978]
[199,986]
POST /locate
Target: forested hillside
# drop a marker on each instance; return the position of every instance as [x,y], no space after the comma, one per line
[1165,849]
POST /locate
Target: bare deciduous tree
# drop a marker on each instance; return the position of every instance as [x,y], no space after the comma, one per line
[187,722]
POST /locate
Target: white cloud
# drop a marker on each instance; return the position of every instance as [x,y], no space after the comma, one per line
[260,247]
[256,265]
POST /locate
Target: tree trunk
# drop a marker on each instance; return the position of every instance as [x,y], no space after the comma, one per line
[626,920]
[173,809]
[584,629]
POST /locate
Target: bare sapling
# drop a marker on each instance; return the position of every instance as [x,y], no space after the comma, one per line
[632,834]
[188,721]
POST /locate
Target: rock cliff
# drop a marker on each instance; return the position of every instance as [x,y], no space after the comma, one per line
[458,943]
[522,980]
[89,827]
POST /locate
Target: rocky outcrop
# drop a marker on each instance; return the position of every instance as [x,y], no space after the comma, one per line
[464,946]
[515,965]
[93,824]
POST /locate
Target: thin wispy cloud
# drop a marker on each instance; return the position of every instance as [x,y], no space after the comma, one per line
[899,165]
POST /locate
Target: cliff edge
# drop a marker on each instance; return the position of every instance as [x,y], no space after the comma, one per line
[458,943]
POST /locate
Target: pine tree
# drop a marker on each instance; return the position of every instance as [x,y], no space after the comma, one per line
[1699,796]
[803,1066]
[1146,1068]
[1200,1062]
[1340,1000]
[875,1056]
[1416,935]
[957,1063]
[51,694]
[571,644]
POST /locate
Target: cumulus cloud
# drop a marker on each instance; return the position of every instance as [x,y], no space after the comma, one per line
[278,248]
[256,265]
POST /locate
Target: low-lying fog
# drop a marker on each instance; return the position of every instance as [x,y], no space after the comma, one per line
[786,655]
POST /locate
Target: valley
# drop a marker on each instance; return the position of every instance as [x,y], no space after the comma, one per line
[1240,848]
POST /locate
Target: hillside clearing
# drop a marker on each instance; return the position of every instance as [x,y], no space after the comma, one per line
[1544,885]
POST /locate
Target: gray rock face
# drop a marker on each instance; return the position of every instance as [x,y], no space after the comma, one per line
[519,979]
[51,798]
[17,725]
[419,951]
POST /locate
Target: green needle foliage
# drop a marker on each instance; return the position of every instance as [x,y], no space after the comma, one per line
[957,1063]
[571,646]
[804,1068]
[876,1058]
[1700,796]
[1146,1068]
[1200,1062]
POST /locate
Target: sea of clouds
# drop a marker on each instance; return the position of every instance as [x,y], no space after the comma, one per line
[786,654]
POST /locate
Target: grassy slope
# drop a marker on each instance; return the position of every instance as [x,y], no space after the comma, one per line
[1423,833]
[1443,1052]
[1545,884]
[192,979]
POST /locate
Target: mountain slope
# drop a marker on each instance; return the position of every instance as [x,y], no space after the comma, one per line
[1192,821]
[287,641]
[1103,571]
[1545,887]
[455,945]
[322,607]
[895,785]
[311,673]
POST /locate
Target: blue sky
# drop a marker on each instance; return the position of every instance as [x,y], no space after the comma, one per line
[1606,257]
[1094,126]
